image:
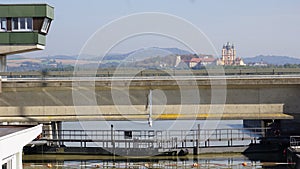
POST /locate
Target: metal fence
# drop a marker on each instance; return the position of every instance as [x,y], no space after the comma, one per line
[162,139]
[150,72]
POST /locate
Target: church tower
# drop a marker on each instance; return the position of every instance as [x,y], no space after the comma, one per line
[228,54]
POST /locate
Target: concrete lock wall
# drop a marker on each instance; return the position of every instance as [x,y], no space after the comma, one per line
[53,100]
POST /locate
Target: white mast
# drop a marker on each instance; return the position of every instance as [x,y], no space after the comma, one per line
[150,108]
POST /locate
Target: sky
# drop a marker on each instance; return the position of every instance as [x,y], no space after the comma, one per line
[256,27]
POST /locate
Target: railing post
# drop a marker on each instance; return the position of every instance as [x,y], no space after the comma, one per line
[231,137]
[112,138]
[59,133]
[198,139]
[112,134]
[228,138]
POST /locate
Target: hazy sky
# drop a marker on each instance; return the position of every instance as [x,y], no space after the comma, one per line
[269,27]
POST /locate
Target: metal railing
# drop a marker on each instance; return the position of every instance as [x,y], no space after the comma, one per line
[149,72]
[163,139]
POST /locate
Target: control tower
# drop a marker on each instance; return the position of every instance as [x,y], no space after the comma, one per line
[23,28]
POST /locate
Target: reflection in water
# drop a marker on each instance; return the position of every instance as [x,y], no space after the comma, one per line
[201,161]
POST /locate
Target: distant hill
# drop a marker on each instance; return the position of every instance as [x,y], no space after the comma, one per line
[274,60]
[147,52]
[16,57]
[159,57]
[62,57]
[177,51]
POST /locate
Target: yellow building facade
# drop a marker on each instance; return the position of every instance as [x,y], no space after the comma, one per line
[229,56]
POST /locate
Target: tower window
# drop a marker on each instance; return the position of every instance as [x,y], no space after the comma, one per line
[2,24]
[45,25]
[22,24]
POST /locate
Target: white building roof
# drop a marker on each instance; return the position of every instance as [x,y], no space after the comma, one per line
[14,138]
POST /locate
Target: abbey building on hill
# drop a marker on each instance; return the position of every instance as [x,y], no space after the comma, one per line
[229,56]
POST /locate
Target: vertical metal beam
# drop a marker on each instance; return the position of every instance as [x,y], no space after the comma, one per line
[263,125]
[59,132]
[112,136]
[54,132]
[198,139]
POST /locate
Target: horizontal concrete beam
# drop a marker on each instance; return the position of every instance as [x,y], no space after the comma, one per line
[139,112]
[15,49]
[150,82]
[145,117]
[242,109]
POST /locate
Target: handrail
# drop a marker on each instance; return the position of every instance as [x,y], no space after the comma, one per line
[162,138]
[149,72]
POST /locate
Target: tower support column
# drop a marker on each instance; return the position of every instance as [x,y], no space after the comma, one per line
[3,63]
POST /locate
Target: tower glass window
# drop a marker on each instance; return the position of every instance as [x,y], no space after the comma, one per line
[22,24]
[15,24]
[2,24]
[45,25]
[29,23]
